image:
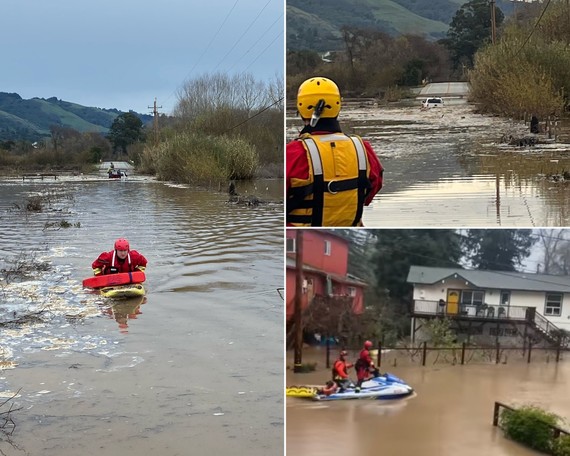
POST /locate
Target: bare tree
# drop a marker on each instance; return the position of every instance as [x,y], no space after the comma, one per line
[556,251]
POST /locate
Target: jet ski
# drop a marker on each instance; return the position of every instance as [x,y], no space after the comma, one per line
[384,387]
[382,392]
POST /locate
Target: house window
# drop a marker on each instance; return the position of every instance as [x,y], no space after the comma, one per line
[472,297]
[290,245]
[327,248]
[505,298]
[553,305]
[351,291]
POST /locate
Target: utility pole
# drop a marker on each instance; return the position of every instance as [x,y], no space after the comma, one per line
[298,301]
[493,23]
[155,120]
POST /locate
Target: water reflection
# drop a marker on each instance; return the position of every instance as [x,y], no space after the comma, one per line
[451,413]
[214,268]
[448,167]
[125,310]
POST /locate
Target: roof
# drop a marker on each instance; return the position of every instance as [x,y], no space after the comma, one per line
[348,279]
[499,280]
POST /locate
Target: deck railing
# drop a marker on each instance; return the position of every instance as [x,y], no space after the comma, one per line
[517,313]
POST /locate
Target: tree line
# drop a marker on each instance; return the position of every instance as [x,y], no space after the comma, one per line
[223,127]
[525,71]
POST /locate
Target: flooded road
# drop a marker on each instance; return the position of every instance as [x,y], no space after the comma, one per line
[195,365]
[448,167]
[450,414]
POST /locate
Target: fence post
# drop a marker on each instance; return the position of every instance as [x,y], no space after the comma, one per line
[498,356]
[496,414]
[424,354]
[558,348]
[529,350]
[379,357]
[328,352]
[463,353]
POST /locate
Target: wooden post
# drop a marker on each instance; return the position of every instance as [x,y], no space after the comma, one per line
[498,355]
[558,348]
[496,414]
[493,23]
[529,350]
[298,303]
[549,127]
[463,353]
[424,354]
[328,352]
[379,357]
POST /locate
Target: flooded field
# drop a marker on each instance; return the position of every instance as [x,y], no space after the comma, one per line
[451,412]
[195,364]
[448,167]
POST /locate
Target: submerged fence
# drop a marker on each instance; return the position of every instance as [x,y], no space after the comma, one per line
[461,354]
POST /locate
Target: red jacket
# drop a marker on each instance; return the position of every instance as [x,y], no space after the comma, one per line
[365,360]
[110,263]
[340,369]
[297,166]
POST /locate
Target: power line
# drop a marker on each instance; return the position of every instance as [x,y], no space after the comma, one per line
[255,115]
[533,29]
[207,47]
[258,40]
[262,52]
[242,35]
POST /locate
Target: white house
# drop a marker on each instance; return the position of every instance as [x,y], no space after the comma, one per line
[502,303]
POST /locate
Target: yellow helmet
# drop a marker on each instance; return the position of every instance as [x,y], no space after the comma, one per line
[312,91]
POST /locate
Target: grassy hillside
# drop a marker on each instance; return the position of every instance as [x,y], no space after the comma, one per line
[315,24]
[31,119]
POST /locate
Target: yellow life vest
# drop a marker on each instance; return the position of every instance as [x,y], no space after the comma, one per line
[338,182]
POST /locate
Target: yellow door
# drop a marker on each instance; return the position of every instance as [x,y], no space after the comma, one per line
[452,301]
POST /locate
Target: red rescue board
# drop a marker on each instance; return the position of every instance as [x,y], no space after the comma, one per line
[111,280]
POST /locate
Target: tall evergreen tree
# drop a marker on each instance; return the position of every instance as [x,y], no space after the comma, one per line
[126,130]
[397,250]
[469,30]
[498,250]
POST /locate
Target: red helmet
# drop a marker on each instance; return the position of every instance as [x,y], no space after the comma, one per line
[367,344]
[343,353]
[121,244]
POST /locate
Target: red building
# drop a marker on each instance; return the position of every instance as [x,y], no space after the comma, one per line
[325,269]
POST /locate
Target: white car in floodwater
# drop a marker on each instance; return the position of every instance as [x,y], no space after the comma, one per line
[433,102]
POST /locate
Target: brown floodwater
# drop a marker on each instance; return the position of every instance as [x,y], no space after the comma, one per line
[451,412]
[449,167]
[195,368]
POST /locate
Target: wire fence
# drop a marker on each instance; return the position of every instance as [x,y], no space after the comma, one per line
[462,354]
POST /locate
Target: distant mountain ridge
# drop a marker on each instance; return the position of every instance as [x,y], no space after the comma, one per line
[316,24]
[32,119]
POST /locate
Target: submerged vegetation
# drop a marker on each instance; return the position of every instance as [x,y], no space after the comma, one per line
[533,427]
[518,76]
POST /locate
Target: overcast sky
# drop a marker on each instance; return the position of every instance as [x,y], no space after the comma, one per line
[124,53]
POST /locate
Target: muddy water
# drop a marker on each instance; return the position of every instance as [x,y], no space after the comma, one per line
[448,167]
[451,412]
[195,368]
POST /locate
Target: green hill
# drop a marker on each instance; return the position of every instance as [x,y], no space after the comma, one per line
[316,24]
[32,119]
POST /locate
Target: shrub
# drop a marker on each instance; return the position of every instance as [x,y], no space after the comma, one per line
[194,158]
[562,446]
[530,426]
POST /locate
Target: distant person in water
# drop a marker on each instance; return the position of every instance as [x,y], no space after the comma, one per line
[121,259]
[534,126]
